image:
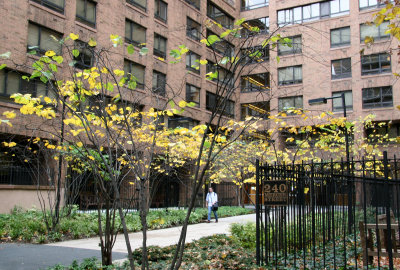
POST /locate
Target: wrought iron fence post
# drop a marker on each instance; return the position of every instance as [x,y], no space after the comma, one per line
[257,212]
[388,216]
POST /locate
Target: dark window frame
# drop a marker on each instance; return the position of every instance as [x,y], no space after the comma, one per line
[293,81]
[52,6]
[41,27]
[210,105]
[212,12]
[246,110]
[189,56]
[84,19]
[133,26]
[374,71]
[139,85]
[244,5]
[256,58]
[194,3]
[247,25]
[349,107]
[341,43]
[193,25]
[158,11]
[32,84]
[136,4]
[189,93]
[343,72]
[381,103]
[247,86]
[161,83]
[157,51]
[378,5]
[280,109]
[82,57]
[295,46]
[381,32]
[290,13]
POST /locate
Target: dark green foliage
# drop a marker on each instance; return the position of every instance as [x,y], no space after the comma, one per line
[28,226]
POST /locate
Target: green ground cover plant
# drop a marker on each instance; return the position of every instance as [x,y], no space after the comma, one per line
[28,226]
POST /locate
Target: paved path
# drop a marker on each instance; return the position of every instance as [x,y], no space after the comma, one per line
[34,257]
[162,237]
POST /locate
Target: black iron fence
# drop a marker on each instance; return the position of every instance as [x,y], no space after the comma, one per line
[329,215]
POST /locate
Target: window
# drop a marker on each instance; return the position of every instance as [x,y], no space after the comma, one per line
[337,104]
[255,26]
[193,94]
[252,4]
[255,82]
[134,33]
[219,16]
[85,58]
[365,4]
[377,97]
[378,130]
[57,5]
[215,102]
[182,122]
[290,103]
[313,12]
[195,3]
[159,82]
[375,64]
[373,31]
[40,39]
[257,109]
[341,68]
[192,62]
[193,29]
[160,10]
[11,82]
[340,37]
[293,47]
[160,46]
[224,76]
[137,71]
[86,12]
[255,54]
[223,47]
[290,75]
[142,4]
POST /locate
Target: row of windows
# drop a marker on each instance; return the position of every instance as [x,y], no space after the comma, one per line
[253,4]
[373,97]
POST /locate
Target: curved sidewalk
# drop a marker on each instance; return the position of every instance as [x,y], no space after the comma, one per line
[162,237]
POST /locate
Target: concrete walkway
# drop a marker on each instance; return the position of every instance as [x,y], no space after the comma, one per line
[162,237]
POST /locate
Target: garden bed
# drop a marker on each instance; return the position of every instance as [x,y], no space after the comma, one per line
[28,226]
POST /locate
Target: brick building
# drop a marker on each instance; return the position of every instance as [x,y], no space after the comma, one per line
[324,60]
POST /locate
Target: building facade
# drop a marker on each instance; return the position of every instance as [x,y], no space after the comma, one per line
[323,61]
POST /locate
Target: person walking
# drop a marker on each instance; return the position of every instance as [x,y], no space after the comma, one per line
[212,204]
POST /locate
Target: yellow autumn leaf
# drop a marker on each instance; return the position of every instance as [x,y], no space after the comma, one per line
[161,59]
[182,104]
[92,43]
[306,190]
[73,36]
[9,114]
[47,100]
[90,157]
[12,144]
[79,144]
[104,70]
[119,72]
[50,53]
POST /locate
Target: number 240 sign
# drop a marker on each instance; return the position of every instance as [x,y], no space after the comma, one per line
[275,192]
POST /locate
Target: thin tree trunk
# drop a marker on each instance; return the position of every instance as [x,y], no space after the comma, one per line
[143,219]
